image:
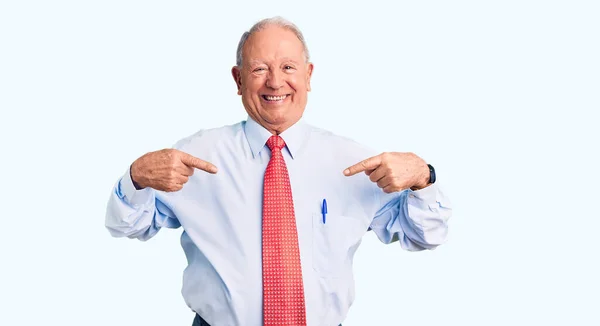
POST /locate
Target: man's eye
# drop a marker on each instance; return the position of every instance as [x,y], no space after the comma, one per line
[288,67]
[259,69]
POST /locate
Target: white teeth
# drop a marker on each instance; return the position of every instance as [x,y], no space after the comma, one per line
[275,98]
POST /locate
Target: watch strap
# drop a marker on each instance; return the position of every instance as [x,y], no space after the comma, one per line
[432,176]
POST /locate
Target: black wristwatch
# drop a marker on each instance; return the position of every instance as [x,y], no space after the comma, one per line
[431,174]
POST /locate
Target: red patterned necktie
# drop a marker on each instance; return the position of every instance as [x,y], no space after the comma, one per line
[283,290]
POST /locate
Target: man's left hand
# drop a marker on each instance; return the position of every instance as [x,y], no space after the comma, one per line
[393,171]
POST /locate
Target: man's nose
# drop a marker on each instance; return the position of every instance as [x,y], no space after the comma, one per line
[275,80]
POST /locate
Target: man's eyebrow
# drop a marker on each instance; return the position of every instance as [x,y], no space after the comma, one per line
[254,62]
[289,60]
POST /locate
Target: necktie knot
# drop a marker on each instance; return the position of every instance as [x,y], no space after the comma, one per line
[275,142]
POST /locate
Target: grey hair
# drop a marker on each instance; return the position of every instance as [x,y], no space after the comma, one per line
[277,21]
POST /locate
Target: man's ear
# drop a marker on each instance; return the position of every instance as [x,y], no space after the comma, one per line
[309,71]
[236,72]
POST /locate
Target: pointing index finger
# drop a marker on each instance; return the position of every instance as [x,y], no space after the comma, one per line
[197,163]
[369,164]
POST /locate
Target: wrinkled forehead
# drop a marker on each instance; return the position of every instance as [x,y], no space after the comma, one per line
[273,43]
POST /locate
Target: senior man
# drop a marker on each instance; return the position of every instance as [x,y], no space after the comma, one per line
[273,219]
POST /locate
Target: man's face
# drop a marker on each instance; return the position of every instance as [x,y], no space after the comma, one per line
[274,78]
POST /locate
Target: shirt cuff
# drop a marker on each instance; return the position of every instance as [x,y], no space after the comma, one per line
[427,194]
[431,197]
[133,196]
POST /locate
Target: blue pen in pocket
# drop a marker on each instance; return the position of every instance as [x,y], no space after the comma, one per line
[324,210]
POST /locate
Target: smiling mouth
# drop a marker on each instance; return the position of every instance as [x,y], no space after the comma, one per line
[274,98]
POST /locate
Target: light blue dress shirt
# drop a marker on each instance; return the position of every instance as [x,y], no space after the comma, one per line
[221,217]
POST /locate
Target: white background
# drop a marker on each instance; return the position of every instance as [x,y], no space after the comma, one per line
[500,96]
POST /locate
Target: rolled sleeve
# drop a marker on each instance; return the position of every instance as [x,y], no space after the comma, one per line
[417,219]
[136,213]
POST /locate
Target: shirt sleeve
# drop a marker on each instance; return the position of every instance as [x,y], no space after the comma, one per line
[136,214]
[417,219]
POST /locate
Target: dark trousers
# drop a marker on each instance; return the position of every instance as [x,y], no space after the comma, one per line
[198,321]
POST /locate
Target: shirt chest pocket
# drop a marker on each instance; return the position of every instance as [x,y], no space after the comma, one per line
[334,243]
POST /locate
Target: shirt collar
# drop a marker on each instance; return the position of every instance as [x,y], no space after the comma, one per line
[294,137]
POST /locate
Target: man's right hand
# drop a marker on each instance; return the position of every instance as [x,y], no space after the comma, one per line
[166,170]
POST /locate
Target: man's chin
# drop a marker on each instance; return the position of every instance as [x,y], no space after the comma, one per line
[278,120]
